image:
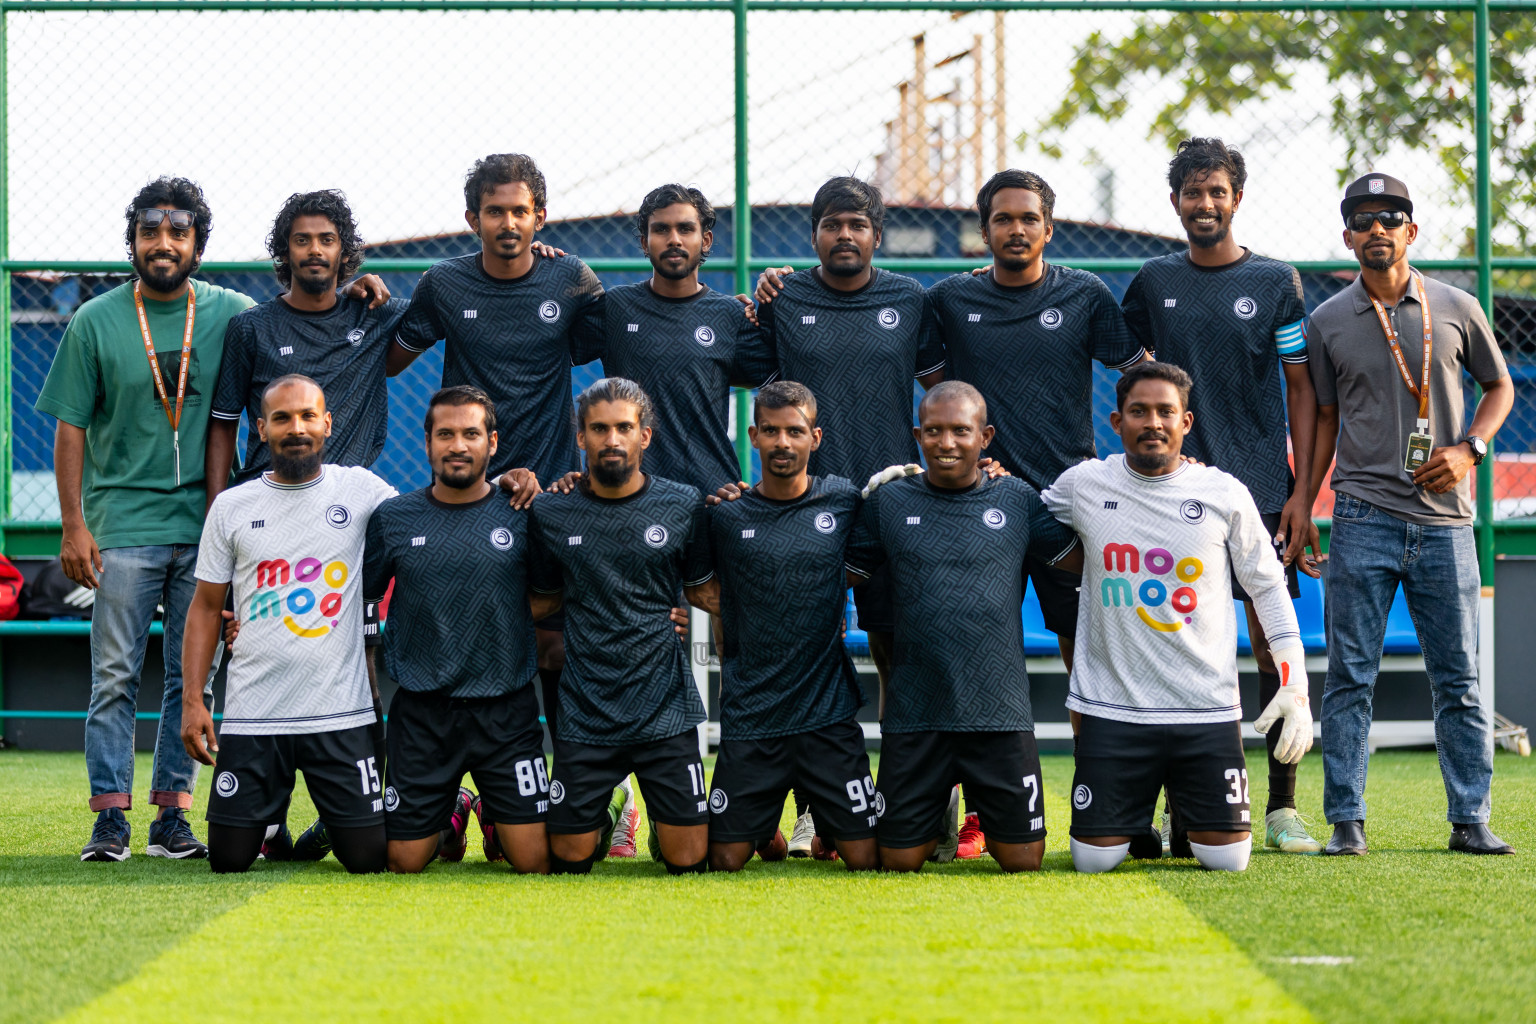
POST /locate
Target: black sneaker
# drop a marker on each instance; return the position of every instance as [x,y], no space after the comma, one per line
[171,836]
[313,843]
[109,839]
[278,845]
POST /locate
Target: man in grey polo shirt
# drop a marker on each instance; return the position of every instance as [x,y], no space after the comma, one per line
[1402,512]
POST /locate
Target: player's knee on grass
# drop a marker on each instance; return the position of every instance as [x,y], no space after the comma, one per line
[1222,851]
[526,847]
[362,851]
[574,848]
[1013,857]
[410,856]
[560,866]
[1090,858]
[232,849]
[729,856]
[911,858]
[859,854]
[683,845]
[699,867]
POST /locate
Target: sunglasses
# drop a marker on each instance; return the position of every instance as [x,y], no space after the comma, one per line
[181,220]
[1389,219]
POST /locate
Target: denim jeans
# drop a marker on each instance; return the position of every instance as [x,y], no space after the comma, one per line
[1370,553]
[133,581]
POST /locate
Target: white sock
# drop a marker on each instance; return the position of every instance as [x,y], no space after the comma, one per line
[1093,860]
[271,832]
[1231,857]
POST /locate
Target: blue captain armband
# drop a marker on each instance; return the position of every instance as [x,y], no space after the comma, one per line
[1291,342]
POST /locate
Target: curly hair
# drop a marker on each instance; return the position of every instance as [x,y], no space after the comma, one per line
[181,193]
[1199,157]
[329,203]
[504,169]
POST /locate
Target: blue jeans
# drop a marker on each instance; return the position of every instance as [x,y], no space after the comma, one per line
[1370,553]
[133,581]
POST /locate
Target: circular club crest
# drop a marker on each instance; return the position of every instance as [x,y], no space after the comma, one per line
[826,522]
[1245,308]
[556,792]
[1082,796]
[718,801]
[391,799]
[889,318]
[1050,319]
[656,535]
[879,804]
[704,335]
[338,516]
[501,538]
[355,336]
[226,784]
[994,518]
[549,311]
[1192,511]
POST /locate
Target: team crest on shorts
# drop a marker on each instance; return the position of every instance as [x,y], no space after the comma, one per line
[1192,511]
[994,518]
[549,311]
[1245,308]
[889,318]
[704,335]
[1050,319]
[1082,796]
[879,804]
[355,336]
[226,784]
[501,538]
[338,516]
[718,801]
[656,535]
[826,522]
[556,792]
[391,799]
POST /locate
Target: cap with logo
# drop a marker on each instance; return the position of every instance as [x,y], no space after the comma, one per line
[1376,186]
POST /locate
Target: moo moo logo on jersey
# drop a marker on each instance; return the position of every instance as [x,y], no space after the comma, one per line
[1166,590]
[306,595]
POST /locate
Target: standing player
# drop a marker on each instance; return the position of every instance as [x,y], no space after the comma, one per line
[1227,316]
[616,550]
[291,544]
[788,692]
[958,543]
[1154,688]
[466,701]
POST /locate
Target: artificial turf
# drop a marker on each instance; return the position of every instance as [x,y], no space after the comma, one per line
[1410,932]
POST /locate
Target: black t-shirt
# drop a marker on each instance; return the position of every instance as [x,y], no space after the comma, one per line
[1030,353]
[783,595]
[343,349]
[620,564]
[1227,327]
[957,562]
[515,340]
[686,354]
[458,620]
[857,352]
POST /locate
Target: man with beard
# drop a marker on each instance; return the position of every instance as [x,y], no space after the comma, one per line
[1154,696]
[1388,354]
[614,552]
[1227,316]
[290,542]
[129,388]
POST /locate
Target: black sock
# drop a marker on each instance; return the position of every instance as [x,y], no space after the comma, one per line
[549,683]
[691,869]
[362,851]
[232,849]
[802,803]
[570,867]
[1282,776]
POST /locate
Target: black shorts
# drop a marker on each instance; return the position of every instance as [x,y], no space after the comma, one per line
[1121,767]
[1271,522]
[1056,590]
[829,766]
[873,601]
[253,779]
[999,770]
[434,740]
[670,773]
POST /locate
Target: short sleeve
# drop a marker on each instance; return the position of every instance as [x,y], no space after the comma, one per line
[755,362]
[420,327]
[232,391]
[378,491]
[73,386]
[1057,498]
[1324,375]
[587,319]
[1138,318]
[1050,540]
[698,554]
[543,569]
[865,552]
[216,550]
[1291,320]
[1482,357]
[1111,340]
[378,561]
[930,344]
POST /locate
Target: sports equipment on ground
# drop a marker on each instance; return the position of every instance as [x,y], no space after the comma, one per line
[455,839]
[801,836]
[627,827]
[973,843]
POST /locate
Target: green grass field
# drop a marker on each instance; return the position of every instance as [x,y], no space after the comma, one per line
[1409,933]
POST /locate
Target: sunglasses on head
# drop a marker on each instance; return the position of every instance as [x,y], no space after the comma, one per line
[181,220]
[1389,219]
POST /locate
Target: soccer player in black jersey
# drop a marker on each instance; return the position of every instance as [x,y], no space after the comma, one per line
[1227,316]
[460,644]
[958,545]
[616,550]
[788,691]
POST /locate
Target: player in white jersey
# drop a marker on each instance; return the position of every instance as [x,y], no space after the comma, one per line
[291,543]
[1153,694]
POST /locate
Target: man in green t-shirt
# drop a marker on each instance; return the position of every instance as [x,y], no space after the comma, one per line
[131,386]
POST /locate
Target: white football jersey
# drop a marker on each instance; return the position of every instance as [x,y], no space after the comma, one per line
[294,553]
[1157,631]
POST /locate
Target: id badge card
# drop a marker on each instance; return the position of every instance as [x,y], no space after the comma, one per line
[1419,445]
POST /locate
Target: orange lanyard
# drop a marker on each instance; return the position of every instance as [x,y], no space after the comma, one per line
[174,418]
[1421,390]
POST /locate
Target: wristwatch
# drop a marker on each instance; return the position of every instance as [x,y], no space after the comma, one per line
[1479,449]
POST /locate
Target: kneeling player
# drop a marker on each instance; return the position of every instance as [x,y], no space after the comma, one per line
[291,543]
[788,692]
[957,708]
[465,703]
[1154,687]
[614,550]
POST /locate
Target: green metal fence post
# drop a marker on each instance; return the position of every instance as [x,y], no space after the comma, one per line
[743,222]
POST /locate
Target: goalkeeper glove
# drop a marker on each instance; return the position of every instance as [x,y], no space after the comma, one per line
[890,473]
[1290,708]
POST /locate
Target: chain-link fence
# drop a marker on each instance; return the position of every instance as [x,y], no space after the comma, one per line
[391,102]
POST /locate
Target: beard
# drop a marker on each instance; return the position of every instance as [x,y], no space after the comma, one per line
[1382,260]
[1146,464]
[297,462]
[784,470]
[1212,240]
[159,279]
[690,264]
[845,269]
[611,476]
[461,476]
[315,285]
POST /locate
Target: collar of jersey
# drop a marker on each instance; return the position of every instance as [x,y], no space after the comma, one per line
[310,314]
[644,488]
[949,492]
[1020,289]
[266,479]
[1153,480]
[810,492]
[1362,298]
[427,493]
[1244,258]
[695,297]
[815,274]
[538,262]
